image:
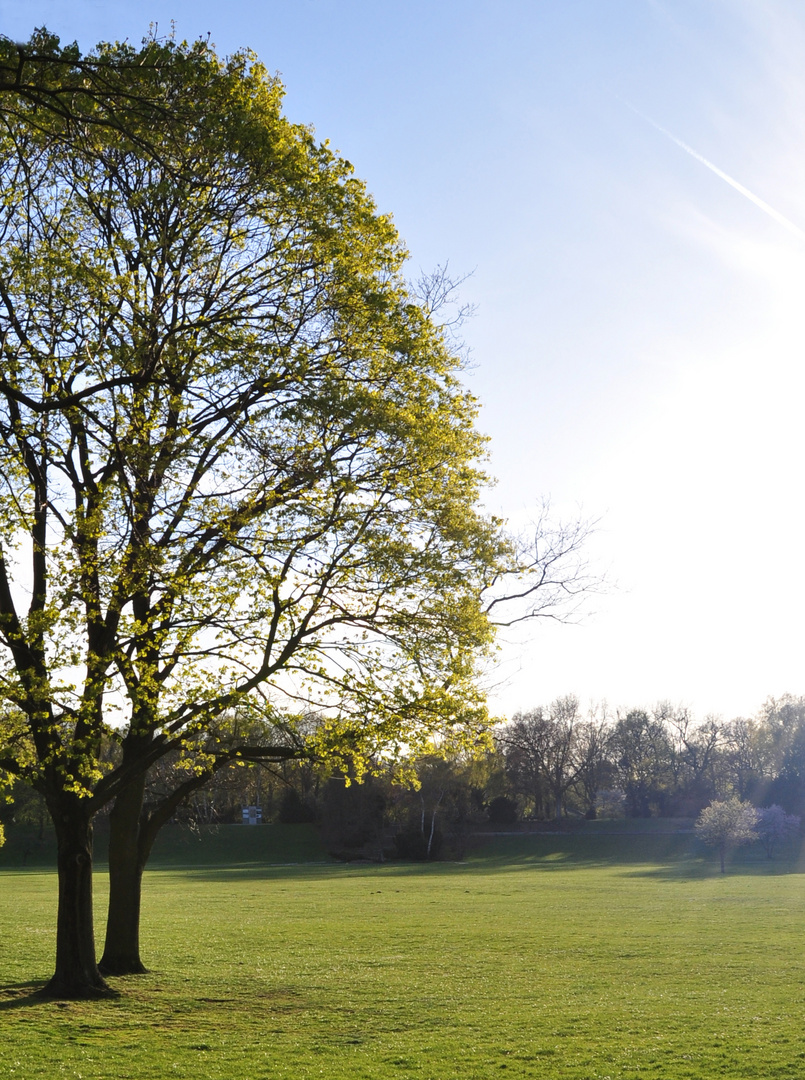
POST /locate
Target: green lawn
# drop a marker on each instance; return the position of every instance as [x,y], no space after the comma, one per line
[580,956]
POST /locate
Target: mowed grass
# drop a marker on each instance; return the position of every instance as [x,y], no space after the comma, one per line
[541,956]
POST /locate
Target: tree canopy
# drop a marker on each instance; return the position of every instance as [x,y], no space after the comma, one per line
[229,435]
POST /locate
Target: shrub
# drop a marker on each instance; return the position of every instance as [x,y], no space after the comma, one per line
[294,810]
[352,817]
[502,811]
[413,844]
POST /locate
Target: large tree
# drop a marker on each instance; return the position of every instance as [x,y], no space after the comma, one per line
[235,457]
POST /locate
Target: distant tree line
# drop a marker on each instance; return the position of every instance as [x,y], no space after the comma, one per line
[550,763]
[656,762]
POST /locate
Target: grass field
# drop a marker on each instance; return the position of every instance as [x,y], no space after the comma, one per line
[581,956]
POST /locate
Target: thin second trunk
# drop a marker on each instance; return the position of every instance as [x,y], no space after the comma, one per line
[121,954]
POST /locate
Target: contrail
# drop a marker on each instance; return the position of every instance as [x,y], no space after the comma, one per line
[764,206]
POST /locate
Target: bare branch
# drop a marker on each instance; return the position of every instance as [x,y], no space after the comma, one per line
[549,575]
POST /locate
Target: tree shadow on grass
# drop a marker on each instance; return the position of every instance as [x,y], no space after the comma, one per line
[704,864]
[562,853]
[663,856]
[672,856]
[541,853]
[26,994]
[667,856]
[261,872]
[22,995]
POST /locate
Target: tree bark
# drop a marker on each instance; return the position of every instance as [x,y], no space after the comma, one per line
[121,953]
[76,974]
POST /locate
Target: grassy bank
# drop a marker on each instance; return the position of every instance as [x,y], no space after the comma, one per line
[545,956]
[178,845]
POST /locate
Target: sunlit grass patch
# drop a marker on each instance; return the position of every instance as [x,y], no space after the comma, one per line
[539,957]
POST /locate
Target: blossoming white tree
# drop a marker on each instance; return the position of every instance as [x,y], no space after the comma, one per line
[728,824]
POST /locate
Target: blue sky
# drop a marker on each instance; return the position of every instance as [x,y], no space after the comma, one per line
[638,342]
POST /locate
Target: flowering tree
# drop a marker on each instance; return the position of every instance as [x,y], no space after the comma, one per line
[775,826]
[728,824]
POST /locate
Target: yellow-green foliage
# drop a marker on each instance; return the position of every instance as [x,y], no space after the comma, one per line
[235,454]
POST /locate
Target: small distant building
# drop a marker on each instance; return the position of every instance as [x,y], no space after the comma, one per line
[252,815]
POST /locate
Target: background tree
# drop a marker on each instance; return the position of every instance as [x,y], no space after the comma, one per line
[353,817]
[543,756]
[594,770]
[437,801]
[524,742]
[560,763]
[696,757]
[644,758]
[774,826]
[783,722]
[726,825]
[502,811]
[747,760]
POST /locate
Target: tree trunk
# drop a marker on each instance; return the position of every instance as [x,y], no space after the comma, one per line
[127,859]
[132,833]
[433,823]
[76,974]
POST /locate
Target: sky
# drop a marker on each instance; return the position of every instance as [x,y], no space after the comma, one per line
[623,181]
